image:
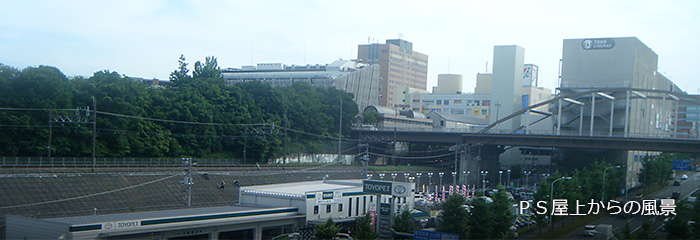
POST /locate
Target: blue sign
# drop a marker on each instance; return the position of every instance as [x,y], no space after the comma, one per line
[432,235]
[681,164]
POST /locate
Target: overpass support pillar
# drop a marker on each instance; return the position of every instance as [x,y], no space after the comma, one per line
[480,159]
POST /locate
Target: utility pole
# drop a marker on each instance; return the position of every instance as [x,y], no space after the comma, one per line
[340,127]
[50,132]
[94,131]
[284,160]
[245,142]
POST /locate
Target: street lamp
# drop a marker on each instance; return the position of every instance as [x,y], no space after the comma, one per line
[381,176]
[369,176]
[441,174]
[405,176]
[508,177]
[527,175]
[551,200]
[454,178]
[483,180]
[430,179]
[393,177]
[500,174]
[602,196]
[418,174]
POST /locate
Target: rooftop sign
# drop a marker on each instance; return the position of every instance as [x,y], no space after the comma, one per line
[396,189]
[598,43]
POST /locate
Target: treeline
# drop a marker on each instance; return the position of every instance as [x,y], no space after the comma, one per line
[127,113]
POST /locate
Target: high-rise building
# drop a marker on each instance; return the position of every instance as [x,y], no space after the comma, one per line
[400,67]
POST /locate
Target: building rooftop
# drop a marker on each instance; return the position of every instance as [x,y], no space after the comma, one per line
[156,214]
[301,188]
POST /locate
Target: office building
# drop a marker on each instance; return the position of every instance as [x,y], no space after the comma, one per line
[400,66]
[630,97]
[362,80]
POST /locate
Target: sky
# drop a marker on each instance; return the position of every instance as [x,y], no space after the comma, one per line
[145,38]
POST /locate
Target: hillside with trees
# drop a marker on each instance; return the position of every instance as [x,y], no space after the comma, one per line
[197,116]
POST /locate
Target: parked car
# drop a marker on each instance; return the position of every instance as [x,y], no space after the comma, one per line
[589,230]
[684,177]
[676,183]
[676,195]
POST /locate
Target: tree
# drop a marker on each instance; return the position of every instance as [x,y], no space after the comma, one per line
[453,217]
[364,228]
[502,216]
[327,230]
[182,73]
[403,222]
[370,117]
[210,69]
[482,220]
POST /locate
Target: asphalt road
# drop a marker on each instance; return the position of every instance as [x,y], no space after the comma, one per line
[687,187]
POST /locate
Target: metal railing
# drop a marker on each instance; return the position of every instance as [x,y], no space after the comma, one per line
[85,165]
[664,135]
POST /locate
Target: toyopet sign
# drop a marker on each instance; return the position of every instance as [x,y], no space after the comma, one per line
[396,189]
[121,225]
[598,43]
[328,197]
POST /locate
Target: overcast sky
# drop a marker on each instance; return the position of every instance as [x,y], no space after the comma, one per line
[145,38]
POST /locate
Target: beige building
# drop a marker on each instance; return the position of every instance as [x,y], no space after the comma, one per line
[449,83]
[400,66]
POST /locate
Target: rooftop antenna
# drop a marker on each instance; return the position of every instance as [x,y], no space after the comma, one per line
[400,36]
[487,67]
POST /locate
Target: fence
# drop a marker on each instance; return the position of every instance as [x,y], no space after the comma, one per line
[79,165]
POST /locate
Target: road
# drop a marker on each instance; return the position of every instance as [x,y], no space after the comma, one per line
[687,187]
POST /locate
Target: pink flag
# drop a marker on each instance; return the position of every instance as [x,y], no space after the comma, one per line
[464,190]
[437,196]
[457,189]
[452,189]
[443,193]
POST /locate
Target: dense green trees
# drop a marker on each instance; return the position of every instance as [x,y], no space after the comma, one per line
[454,218]
[127,109]
[403,222]
[364,228]
[327,230]
[657,168]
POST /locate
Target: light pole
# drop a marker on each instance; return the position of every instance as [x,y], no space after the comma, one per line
[508,177]
[527,175]
[454,178]
[602,195]
[500,174]
[483,180]
[381,176]
[430,179]
[393,177]
[405,176]
[551,200]
[441,174]
[418,174]
[369,176]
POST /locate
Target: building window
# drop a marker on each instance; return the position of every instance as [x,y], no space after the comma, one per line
[328,208]
[340,207]
[438,102]
[447,102]
[316,209]
[350,207]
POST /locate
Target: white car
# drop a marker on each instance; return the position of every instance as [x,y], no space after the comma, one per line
[684,177]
